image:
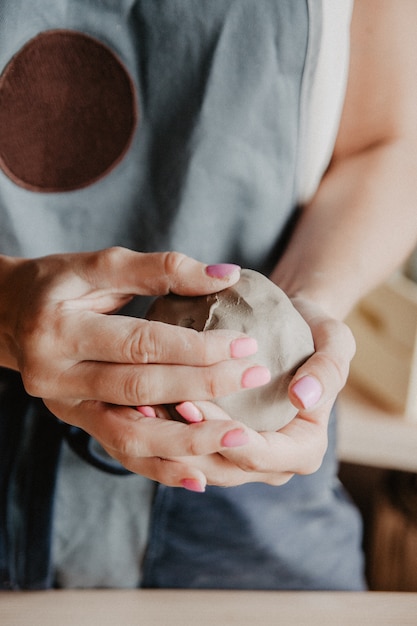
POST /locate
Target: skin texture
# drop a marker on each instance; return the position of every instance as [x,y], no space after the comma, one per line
[361,224]
[258,307]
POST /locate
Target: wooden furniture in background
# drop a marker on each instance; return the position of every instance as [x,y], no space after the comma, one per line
[376,446]
[371,435]
[385,327]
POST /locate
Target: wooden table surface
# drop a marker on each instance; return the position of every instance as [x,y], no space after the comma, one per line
[372,435]
[206,608]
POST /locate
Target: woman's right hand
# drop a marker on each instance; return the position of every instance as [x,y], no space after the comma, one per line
[91,368]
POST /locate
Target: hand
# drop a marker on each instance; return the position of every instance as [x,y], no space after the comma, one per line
[299,447]
[91,368]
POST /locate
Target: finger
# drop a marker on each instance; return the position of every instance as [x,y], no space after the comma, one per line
[154,273]
[323,375]
[120,339]
[199,411]
[170,472]
[154,437]
[243,449]
[135,385]
[152,448]
[129,435]
[222,472]
[298,448]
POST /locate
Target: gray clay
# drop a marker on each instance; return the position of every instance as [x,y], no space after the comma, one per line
[258,307]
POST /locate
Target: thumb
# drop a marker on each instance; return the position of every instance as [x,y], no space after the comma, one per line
[323,375]
[158,273]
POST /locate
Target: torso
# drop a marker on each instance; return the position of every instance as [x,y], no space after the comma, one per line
[207,102]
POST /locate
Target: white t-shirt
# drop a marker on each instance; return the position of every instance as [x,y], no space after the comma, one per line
[325,98]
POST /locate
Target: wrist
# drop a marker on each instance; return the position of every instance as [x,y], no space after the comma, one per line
[327,292]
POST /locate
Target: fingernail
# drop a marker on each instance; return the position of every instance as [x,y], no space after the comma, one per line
[256,377]
[308,390]
[189,412]
[147,411]
[222,270]
[235,438]
[242,347]
[192,484]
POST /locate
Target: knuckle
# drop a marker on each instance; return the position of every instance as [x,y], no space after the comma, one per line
[38,354]
[343,336]
[340,340]
[141,346]
[223,480]
[126,444]
[34,376]
[314,458]
[34,385]
[107,259]
[340,369]
[212,385]
[112,255]
[217,381]
[136,389]
[331,369]
[172,262]
[193,446]
[280,479]
[39,382]
[212,346]
[253,464]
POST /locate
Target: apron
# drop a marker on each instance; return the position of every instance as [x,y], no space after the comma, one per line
[171,124]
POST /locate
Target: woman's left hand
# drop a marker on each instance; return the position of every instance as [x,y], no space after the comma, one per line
[299,447]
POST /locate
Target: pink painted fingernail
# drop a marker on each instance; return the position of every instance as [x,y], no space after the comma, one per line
[244,346]
[308,390]
[222,270]
[256,377]
[235,438]
[189,412]
[147,411]
[192,484]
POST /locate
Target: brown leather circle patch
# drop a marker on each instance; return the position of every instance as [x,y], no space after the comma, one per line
[67,112]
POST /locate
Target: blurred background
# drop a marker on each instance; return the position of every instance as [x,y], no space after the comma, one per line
[378,429]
